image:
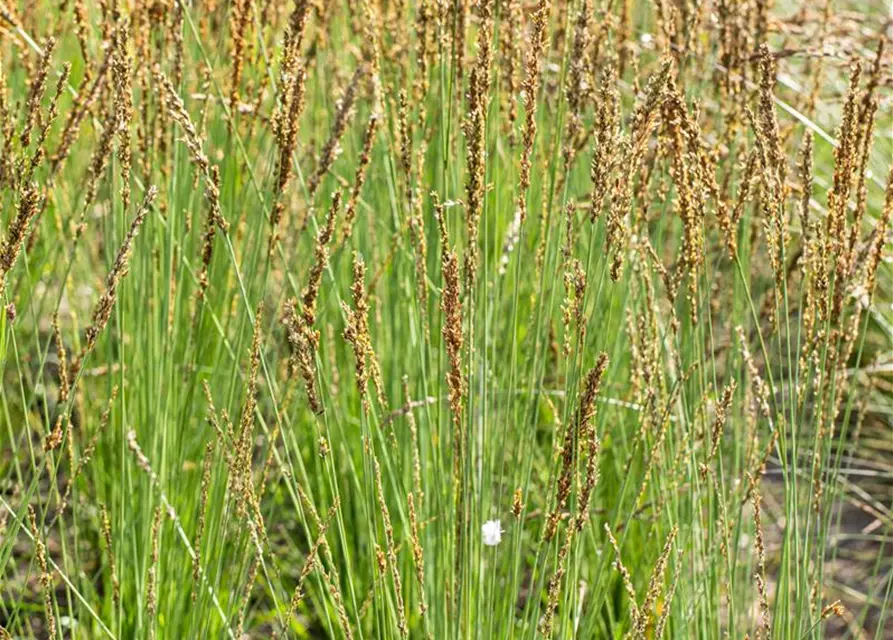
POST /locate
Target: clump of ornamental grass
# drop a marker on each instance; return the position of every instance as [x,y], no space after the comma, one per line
[622,374]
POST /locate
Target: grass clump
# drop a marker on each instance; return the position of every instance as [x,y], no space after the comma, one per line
[473,319]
